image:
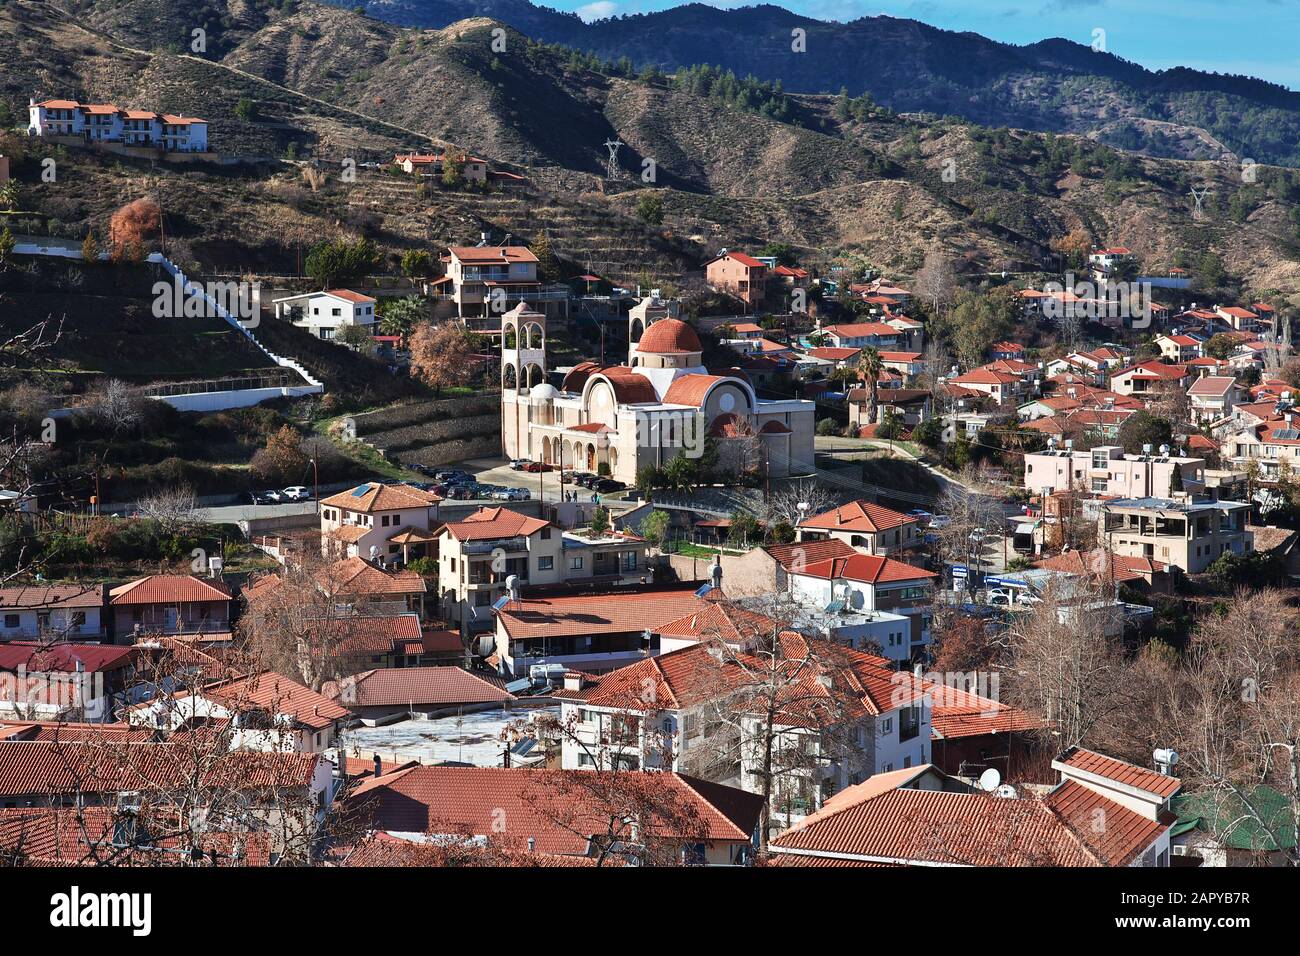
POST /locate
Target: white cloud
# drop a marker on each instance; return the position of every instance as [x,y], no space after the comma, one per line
[599,10]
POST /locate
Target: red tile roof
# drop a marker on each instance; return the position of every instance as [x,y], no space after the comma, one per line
[487,523]
[667,337]
[492,254]
[1119,771]
[867,568]
[859,516]
[418,686]
[49,767]
[51,595]
[804,553]
[168,589]
[611,613]
[553,808]
[35,656]
[744,260]
[273,693]
[349,296]
[691,389]
[372,497]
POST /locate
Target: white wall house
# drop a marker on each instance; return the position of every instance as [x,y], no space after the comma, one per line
[323,314]
[106,123]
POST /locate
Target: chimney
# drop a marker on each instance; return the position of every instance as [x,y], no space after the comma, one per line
[715,572]
[573,681]
[379,767]
[532,845]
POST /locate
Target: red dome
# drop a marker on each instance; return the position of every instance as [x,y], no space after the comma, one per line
[667,336]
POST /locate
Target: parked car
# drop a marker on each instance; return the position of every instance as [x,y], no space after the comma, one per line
[272,497]
[537,466]
[519,464]
[605,485]
[922,516]
[459,492]
[296,493]
[257,498]
[586,478]
[518,494]
[1011,597]
[450,474]
[939,522]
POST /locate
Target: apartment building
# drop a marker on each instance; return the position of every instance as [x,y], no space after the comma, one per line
[738,275]
[1181,531]
[478,555]
[106,123]
[1107,470]
[487,281]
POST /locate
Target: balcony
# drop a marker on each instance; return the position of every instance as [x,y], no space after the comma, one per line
[508,545]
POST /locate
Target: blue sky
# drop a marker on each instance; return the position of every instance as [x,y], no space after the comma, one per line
[1255,37]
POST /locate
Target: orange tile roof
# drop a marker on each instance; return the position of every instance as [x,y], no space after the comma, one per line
[864,516]
[349,295]
[867,568]
[372,497]
[1125,834]
[356,576]
[1119,771]
[402,686]
[494,254]
[487,523]
[610,613]
[51,595]
[691,389]
[669,336]
[552,808]
[168,589]
[803,553]
[273,693]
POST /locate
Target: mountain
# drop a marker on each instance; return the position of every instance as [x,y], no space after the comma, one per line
[1055,85]
[735,164]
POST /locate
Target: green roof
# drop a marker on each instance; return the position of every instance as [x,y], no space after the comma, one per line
[1267,825]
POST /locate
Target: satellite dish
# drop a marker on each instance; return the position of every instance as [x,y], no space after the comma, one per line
[990,780]
[1006,792]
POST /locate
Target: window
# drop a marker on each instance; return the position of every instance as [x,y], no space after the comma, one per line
[886,725]
[11,620]
[546,534]
[545,564]
[909,722]
[575,564]
[629,560]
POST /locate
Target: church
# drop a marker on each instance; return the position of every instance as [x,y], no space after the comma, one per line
[662,403]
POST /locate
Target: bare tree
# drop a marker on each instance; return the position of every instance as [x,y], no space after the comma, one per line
[794,502]
[173,507]
[936,281]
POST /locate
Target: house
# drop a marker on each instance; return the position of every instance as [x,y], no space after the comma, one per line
[350,586]
[418,162]
[1237,318]
[1179,349]
[911,405]
[391,524]
[266,711]
[170,604]
[1228,828]
[738,275]
[541,812]
[1107,470]
[1008,350]
[674,710]
[66,611]
[868,527]
[1213,396]
[285,794]
[592,631]
[324,314]
[106,123]
[1147,379]
[488,280]
[1105,567]
[1001,387]
[878,335]
[41,681]
[1111,261]
[481,553]
[921,816]
[1181,531]
[375,696]
[876,585]
[393,640]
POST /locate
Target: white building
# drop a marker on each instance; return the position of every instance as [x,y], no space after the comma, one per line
[106,123]
[324,313]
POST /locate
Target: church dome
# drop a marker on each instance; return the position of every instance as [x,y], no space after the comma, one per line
[668,336]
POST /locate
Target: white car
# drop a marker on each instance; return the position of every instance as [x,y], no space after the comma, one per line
[1008,597]
[939,522]
[296,493]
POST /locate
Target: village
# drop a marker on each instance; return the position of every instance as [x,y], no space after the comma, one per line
[782,561]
